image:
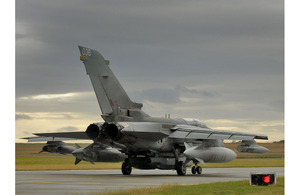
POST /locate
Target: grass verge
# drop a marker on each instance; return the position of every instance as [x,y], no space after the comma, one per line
[234,187]
[58,163]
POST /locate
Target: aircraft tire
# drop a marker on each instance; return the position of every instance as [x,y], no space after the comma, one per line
[181,168]
[199,170]
[194,170]
[126,168]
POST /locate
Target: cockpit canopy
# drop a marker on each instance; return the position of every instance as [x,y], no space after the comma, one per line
[195,122]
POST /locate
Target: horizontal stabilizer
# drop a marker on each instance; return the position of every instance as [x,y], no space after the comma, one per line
[73,135]
[42,139]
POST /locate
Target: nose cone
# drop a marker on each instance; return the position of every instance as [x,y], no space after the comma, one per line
[188,153]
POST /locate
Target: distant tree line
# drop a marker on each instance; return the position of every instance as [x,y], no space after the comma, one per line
[281,141]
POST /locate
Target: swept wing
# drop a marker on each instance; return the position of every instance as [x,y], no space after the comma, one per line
[188,132]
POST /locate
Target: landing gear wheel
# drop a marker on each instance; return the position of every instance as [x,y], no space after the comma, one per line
[126,168]
[181,168]
[194,170]
[198,170]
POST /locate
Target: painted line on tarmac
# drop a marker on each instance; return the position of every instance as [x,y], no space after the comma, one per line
[89,183]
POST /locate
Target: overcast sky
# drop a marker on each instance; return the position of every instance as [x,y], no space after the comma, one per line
[218,61]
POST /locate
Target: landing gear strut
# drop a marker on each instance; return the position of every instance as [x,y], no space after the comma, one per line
[126,167]
[196,169]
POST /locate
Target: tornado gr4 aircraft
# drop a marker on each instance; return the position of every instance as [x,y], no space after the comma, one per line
[150,142]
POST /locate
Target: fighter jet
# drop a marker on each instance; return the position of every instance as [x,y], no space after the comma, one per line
[150,142]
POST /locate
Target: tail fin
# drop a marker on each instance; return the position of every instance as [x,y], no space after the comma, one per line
[112,98]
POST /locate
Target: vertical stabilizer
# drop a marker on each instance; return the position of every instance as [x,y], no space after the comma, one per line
[112,98]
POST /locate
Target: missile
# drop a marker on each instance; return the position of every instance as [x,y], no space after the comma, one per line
[93,154]
[209,154]
[85,155]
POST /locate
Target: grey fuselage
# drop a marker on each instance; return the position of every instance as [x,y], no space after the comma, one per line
[150,137]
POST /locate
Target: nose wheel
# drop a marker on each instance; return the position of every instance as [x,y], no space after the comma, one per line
[196,169]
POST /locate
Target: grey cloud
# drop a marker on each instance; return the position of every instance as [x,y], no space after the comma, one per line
[68,116]
[67,128]
[170,96]
[84,102]
[192,92]
[23,117]
[20,36]
[208,48]
[27,133]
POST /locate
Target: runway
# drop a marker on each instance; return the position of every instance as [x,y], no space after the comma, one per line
[89,181]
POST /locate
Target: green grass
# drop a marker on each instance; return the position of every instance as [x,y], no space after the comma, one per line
[251,162]
[234,187]
[58,163]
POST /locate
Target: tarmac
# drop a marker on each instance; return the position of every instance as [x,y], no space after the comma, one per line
[91,181]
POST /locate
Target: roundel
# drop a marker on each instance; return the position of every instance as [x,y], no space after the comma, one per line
[86,52]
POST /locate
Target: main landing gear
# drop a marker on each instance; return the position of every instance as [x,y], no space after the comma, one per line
[196,169]
[126,167]
[180,168]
